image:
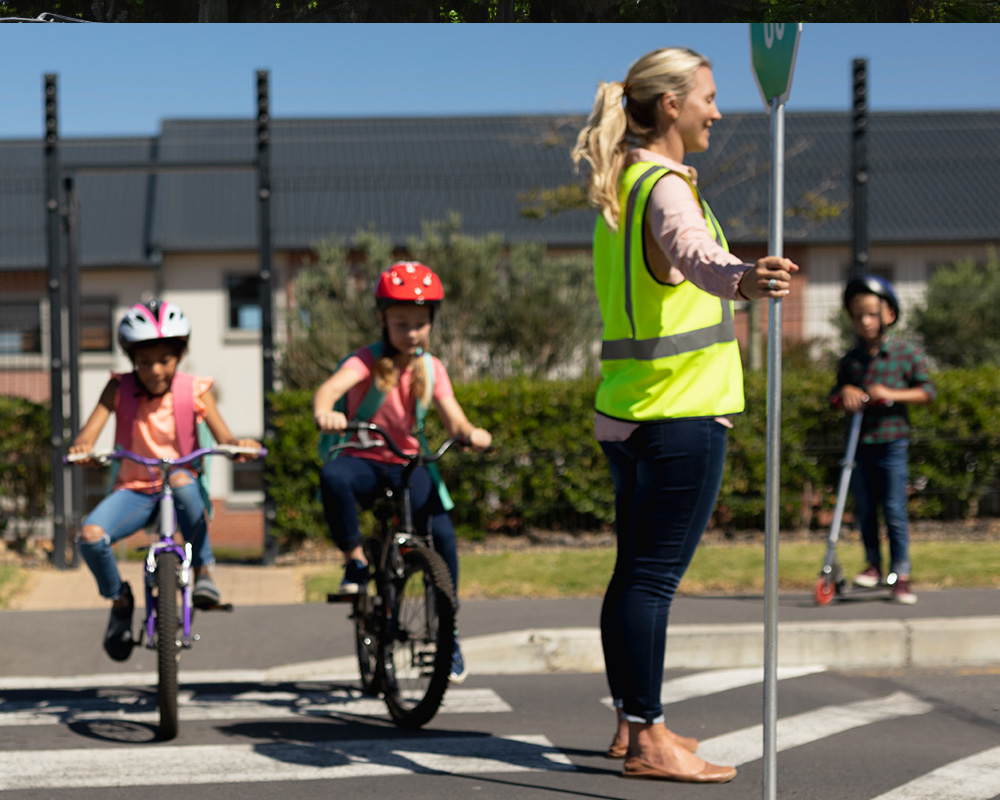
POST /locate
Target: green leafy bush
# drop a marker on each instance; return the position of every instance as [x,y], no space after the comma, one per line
[547,471]
[24,466]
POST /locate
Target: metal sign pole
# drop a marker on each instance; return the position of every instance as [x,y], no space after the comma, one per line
[773,48]
[771,523]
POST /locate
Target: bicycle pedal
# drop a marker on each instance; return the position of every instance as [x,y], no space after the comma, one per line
[333,597]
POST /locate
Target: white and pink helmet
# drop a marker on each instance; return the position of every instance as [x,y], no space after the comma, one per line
[153,321]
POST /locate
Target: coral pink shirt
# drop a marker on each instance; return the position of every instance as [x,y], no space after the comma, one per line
[154,433]
[397,414]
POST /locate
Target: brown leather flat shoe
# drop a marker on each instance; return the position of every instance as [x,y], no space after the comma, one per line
[636,767]
[619,748]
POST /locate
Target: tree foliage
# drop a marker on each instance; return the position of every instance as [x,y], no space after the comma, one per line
[959,322]
[658,11]
[508,309]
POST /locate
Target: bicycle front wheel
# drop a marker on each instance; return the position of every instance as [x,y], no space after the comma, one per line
[168,645]
[417,644]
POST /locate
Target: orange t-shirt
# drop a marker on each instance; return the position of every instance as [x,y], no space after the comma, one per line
[154,433]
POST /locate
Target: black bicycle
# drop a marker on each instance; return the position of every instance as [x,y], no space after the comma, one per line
[404,618]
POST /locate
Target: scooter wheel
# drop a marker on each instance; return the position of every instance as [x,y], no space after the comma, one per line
[824,592]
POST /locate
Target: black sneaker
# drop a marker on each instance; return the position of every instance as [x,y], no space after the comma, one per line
[355,578]
[118,641]
[206,593]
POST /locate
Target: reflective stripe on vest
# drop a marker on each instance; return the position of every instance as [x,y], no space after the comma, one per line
[670,351]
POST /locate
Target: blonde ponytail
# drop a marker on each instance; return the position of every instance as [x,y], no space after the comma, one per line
[385,374]
[624,114]
[386,378]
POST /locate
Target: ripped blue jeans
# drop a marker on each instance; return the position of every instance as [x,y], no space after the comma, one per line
[123,512]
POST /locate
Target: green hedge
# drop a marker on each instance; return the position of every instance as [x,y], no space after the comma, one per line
[547,471]
[25,484]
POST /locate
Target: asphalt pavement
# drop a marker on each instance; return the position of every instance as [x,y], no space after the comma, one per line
[946,628]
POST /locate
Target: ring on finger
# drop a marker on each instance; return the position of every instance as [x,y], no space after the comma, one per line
[770,284]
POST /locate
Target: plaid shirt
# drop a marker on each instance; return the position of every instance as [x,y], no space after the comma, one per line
[898,365]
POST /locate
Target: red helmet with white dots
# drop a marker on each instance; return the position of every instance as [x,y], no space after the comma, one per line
[408,282]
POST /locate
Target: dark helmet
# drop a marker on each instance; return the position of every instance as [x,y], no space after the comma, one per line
[872,284]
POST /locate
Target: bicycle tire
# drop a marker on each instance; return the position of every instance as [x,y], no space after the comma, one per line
[168,646]
[418,639]
[366,629]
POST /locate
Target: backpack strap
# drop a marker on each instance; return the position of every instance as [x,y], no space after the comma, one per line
[128,406]
[184,417]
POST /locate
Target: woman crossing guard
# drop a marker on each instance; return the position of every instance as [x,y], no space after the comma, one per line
[406,379]
[671,373]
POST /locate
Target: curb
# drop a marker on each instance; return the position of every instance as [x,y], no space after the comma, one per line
[941,642]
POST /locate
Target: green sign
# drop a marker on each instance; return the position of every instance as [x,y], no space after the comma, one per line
[773,47]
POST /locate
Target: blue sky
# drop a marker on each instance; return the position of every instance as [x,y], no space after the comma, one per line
[124,79]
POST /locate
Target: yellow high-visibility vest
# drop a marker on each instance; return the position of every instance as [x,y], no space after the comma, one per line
[667,352]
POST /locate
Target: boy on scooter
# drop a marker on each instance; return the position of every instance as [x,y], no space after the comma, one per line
[881,375]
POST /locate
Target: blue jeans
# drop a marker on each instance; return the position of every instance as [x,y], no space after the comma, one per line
[347,481]
[667,477]
[123,512]
[881,473]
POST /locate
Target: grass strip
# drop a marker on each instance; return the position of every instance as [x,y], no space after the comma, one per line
[716,569]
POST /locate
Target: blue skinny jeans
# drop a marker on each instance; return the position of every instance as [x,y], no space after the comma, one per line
[881,473]
[667,477]
[346,482]
[123,512]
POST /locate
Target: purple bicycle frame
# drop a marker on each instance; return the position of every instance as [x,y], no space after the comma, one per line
[165,530]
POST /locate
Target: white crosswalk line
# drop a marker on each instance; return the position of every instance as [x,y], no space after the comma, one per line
[242,705]
[974,778]
[701,684]
[745,745]
[277,761]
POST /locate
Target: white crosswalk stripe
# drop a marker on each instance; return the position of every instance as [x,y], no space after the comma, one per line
[141,707]
[974,778]
[278,761]
[745,745]
[235,696]
[712,681]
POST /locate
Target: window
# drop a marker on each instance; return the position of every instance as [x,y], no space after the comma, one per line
[96,328]
[20,327]
[244,302]
[249,476]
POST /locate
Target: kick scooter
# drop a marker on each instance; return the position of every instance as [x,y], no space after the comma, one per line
[831,579]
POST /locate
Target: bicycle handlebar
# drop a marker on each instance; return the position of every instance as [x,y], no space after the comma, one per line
[366,443]
[104,456]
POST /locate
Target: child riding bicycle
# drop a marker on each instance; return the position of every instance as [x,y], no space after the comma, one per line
[157,409]
[391,383]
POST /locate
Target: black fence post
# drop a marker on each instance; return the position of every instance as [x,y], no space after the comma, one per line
[56,365]
[266,299]
[859,169]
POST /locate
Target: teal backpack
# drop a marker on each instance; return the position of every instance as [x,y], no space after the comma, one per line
[371,403]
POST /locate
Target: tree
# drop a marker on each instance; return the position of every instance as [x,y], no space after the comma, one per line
[508,309]
[959,322]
